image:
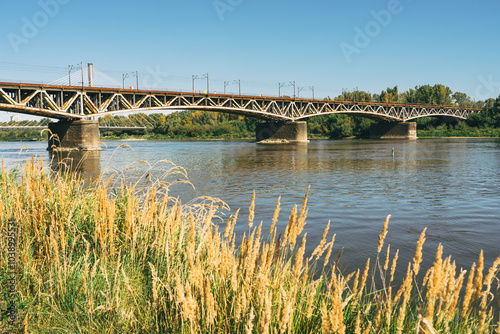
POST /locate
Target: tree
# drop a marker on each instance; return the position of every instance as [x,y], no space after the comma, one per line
[355,96]
[389,96]
[462,100]
[441,95]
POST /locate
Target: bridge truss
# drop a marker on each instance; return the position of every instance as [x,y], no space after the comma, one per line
[70,102]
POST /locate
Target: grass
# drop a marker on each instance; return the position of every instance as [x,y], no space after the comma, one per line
[102,260]
[464,131]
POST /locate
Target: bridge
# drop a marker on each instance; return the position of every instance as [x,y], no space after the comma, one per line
[77,108]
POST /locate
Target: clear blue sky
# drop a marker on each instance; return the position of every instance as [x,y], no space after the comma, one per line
[262,43]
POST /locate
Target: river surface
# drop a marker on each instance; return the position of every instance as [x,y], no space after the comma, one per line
[450,186]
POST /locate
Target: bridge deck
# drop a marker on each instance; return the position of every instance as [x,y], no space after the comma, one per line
[76,102]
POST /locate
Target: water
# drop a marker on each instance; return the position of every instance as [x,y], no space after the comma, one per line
[450,186]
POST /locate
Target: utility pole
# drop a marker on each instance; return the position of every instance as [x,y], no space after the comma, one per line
[313,91]
[81,67]
[194,78]
[279,88]
[81,96]
[293,84]
[208,86]
[299,89]
[226,83]
[124,76]
[69,75]
[202,77]
[239,86]
[137,79]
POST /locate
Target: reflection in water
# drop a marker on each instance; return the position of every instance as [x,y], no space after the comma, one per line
[85,164]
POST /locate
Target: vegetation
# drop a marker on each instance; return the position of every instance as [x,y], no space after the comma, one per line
[123,259]
[211,125]
[190,124]
[22,135]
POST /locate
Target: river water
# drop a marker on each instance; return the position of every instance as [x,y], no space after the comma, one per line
[450,186]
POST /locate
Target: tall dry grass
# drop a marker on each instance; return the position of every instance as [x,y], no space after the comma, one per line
[89,262]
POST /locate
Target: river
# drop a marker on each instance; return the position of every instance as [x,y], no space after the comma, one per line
[450,186]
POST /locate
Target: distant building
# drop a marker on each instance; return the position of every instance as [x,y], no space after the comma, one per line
[15,118]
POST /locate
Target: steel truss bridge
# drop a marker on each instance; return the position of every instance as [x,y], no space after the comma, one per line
[77,102]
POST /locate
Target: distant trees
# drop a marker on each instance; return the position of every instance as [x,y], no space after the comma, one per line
[489,117]
[388,96]
[339,126]
[204,124]
[356,95]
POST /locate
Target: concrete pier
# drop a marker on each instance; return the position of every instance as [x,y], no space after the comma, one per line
[394,130]
[79,135]
[85,164]
[281,132]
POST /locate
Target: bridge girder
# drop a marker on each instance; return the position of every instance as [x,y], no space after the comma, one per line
[63,102]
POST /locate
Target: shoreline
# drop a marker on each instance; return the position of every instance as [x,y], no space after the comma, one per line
[253,139]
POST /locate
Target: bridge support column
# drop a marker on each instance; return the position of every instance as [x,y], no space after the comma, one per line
[79,135]
[394,130]
[281,132]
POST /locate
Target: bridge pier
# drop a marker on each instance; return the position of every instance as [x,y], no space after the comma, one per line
[394,130]
[79,135]
[281,132]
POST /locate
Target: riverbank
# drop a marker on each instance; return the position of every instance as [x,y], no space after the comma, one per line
[145,263]
[471,133]
[165,137]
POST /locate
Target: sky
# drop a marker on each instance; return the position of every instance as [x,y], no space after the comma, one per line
[332,45]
